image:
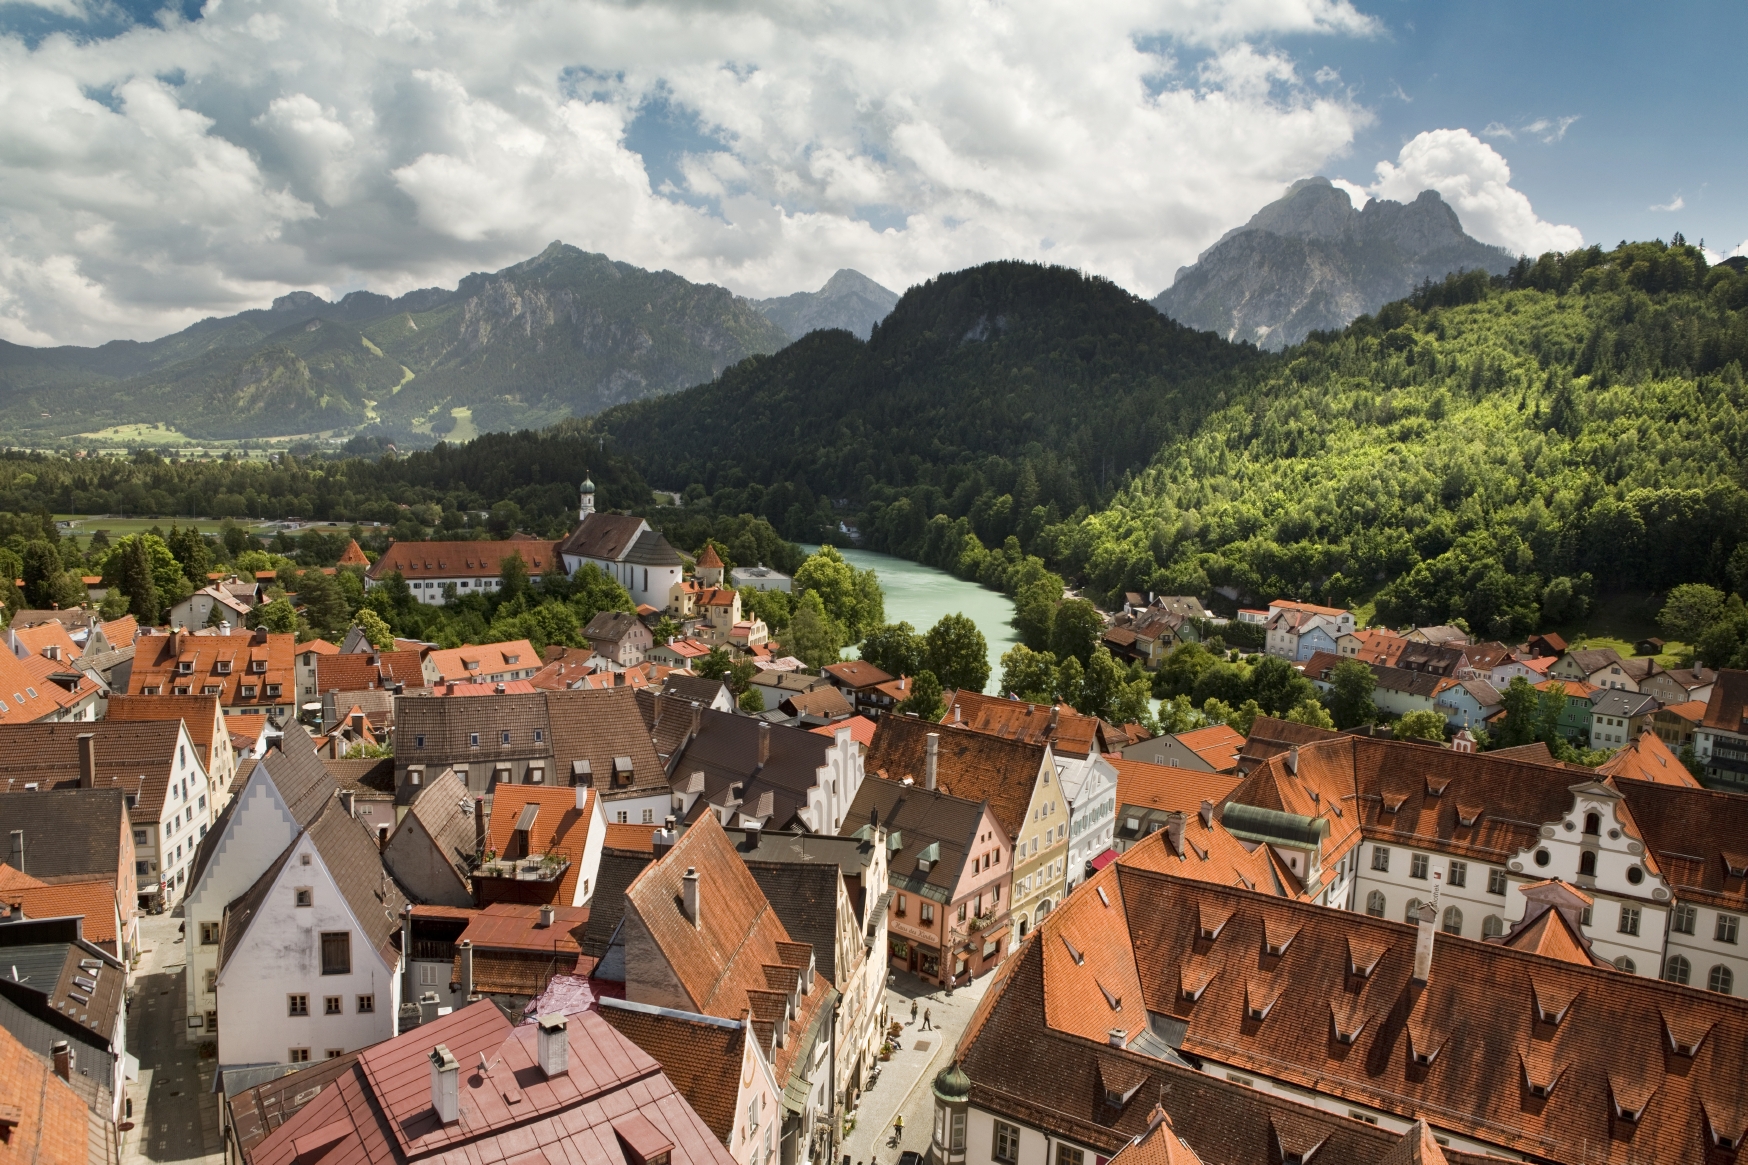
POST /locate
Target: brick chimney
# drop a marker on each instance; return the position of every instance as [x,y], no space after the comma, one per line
[689,896]
[346,802]
[1174,832]
[931,758]
[87,760]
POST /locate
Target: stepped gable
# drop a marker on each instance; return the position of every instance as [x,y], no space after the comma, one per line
[970,765]
[1260,985]
[1698,837]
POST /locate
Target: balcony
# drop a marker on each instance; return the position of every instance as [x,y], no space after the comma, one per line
[533,868]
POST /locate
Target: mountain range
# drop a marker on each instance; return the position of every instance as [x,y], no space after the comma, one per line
[1310,262]
[564,334]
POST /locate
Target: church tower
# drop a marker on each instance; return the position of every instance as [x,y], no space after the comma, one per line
[709,570]
[587,505]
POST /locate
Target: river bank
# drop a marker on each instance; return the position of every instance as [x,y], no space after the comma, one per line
[920,595]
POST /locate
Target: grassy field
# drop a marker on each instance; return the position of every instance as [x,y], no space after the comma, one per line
[121,527]
[167,438]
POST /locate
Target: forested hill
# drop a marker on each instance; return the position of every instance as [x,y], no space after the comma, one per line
[1489,449]
[1009,372]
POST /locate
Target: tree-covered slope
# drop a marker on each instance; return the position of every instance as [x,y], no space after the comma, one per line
[973,376]
[1489,449]
[564,334]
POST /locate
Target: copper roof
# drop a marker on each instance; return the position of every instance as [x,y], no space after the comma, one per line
[510,1110]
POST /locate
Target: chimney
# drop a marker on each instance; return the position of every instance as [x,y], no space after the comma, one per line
[1293,760]
[753,830]
[659,701]
[689,895]
[1174,832]
[334,745]
[1119,1037]
[932,757]
[407,951]
[554,1045]
[1428,927]
[87,760]
[546,916]
[428,1005]
[697,717]
[479,824]
[445,1085]
[582,797]
[61,1052]
[465,946]
[15,857]
[764,742]
[1206,813]
[663,839]
[346,802]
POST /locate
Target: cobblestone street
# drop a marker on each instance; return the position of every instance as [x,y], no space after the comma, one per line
[904,1084]
[175,1114]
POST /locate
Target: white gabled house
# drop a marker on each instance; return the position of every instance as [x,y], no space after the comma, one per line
[286,790]
[307,953]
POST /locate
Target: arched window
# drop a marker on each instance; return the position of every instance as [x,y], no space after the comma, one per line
[1492,926]
[1625,964]
[1678,969]
[1587,864]
[1375,904]
[1453,920]
[1412,914]
[1593,823]
[1022,926]
[1720,980]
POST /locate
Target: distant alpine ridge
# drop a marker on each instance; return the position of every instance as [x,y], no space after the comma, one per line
[849,300]
[1309,261]
[564,334]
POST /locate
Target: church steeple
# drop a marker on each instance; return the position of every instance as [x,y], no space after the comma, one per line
[587,505]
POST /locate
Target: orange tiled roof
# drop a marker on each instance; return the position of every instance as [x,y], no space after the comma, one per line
[464,664]
[224,662]
[440,560]
[1067,732]
[202,714]
[1152,786]
[1205,852]
[94,900]
[359,670]
[50,1121]
[12,879]
[861,730]
[559,827]
[1647,758]
[46,636]
[631,837]
[708,557]
[27,694]
[354,554]
[855,673]
[1218,744]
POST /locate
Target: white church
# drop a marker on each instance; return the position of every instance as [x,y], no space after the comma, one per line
[625,547]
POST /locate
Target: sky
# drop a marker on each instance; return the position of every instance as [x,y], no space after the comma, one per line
[163,164]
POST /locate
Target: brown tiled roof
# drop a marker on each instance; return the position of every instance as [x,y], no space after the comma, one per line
[445,810]
[462,664]
[94,901]
[826,701]
[1591,660]
[603,536]
[256,1112]
[156,658]
[854,673]
[599,725]
[361,774]
[559,827]
[1697,836]
[969,765]
[920,819]
[381,1110]
[360,670]
[1066,731]
[1269,736]
[709,558]
[137,758]
[202,714]
[1647,758]
[48,1120]
[725,753]
[353,555]
[701,1054]
[1159,1145]
[514,954]
[68,833]
[1199,954]
[727,964]
[1727,710]
[462,559]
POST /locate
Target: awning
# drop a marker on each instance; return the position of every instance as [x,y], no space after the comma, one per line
[529,812]
[1100,861]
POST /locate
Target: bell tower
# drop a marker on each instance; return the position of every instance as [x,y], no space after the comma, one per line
[587,500]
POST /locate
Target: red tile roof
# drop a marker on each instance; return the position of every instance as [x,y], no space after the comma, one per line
[28,695]
[359,670]
[969,764]
[1647,758]
[1218,744]
[1066,731]
[203,715]
[226,662]
[640,838]
[559,827]
[611,1094]
[1154,786]
[353,555]
[464,664]
[49,1122]
[861,729]
[708,557]
[440,560]
[95,901]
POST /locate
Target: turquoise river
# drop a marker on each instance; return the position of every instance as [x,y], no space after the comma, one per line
[920,595]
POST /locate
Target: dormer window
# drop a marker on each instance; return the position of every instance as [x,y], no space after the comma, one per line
[247,691]
[273,691]
[223,667]
[258,666]
[184,667]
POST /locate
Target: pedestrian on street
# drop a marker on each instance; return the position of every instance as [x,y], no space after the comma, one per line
[913,1011]
[927,1025]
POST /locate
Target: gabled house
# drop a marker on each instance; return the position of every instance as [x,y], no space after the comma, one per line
[1675,724]
[281,794]
[719,1067]
[154,765]
[204,718]
[1533,668]
[65,997]
[1677,685]
[1148,795]
[1213,749]
[435,846]
[746,771]
[38,688]
[1600,667]
[860,682]
[1371,645]
[699,936]
[1647,758]
[1078,746]
[197,610]
[471,568]
[949,878]
[307,962]
[619,636]
[74,837]
[307,655]
[1720,743]
[623,547]
[1574,722]
[1617,717]
[470,1086]
[1297,631]
[544,847]
[830,892]
[510,952]
[1468,703]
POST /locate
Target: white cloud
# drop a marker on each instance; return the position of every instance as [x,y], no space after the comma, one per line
[1473,177]
[1496,130]
[1356,194]
[186,169]
[1549,129]
[1673,204]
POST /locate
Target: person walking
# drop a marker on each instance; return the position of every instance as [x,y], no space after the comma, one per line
[928,1025]
[913,1011]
